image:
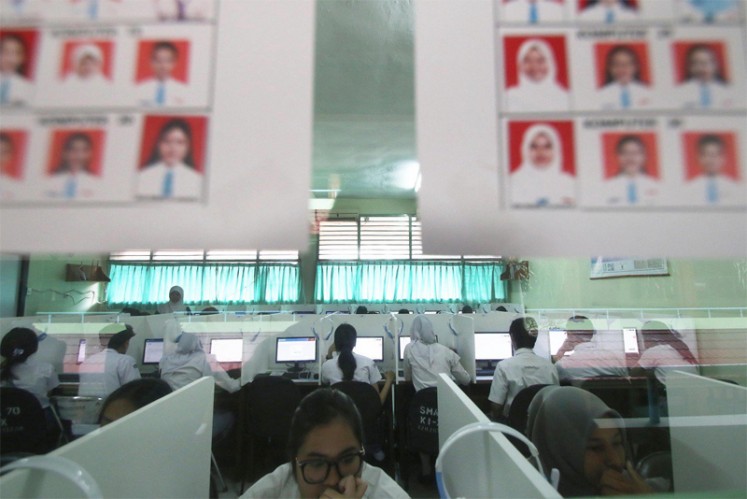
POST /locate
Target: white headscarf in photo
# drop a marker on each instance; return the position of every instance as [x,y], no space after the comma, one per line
[530,95]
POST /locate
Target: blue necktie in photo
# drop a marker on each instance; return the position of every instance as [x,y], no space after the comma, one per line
[71,186]
[160,94]
[168,184]
[705,95]
[610,17]
[93,9]
[625,98]
[712,190]
[5,92]
[632,193]
[533,14]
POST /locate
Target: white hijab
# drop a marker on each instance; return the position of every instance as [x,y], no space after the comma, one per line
[530,95]
[186,347]
[170,307]
[422,330]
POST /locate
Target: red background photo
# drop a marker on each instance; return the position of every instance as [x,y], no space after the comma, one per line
[609,142]
[679,51]
[152,126]
[641,50]
[511,45]
[106,46]
[516,130]
[143,70]
[690,153]
[60,136]
[582,4]
[30,39]
[14,169]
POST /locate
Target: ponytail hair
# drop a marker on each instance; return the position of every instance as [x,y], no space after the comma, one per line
[345,338]
[16,347]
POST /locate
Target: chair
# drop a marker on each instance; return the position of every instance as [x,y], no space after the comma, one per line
[518,412]
[81,413]
[24,425]
[657,465]
[266,408]
[421,428]
[369,406]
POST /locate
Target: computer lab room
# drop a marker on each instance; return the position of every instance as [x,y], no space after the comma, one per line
[373,248]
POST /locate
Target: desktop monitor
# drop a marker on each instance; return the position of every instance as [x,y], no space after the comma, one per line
[557,337]
[295,349]
[370,346]
[81,351]
[630,340]
[493,346]
[227,349]
[403,342]
[152,351]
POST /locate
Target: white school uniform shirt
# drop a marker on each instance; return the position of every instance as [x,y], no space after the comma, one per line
[187,182]
[589,361]
[688,12]
[519,11]
[35,376]
[104,372]
[512,375]
[688,95]
[180,369]
[175,93]
[663,359]
[599,13]
[94,90]
[610,96]
[616,191]
[282,484]
[424,362]
[365,370]
[15,90]
[85,186]
[718,190]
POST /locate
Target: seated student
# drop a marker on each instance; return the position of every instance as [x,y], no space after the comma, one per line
[131,397]
[424,359]
[587,358]
[346,365]
[592,458]
[524,369]
[665,351]
[104,372]
[326,455]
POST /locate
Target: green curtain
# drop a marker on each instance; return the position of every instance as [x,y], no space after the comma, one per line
[409,281]
[234,283]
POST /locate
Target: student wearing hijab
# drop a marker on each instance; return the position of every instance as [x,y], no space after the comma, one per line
[577,434]
[73,177]
[704,85]
[15,88]
[633,184]
[424,359]
[623,86]
[170,171]
[532,11]
[538,88]
[86,83]
[608,11]
[175,303]
[665,351]
[540,180]
[104,372]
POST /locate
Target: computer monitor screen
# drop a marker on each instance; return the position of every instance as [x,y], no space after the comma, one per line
[493,346]
[557,338]
[403,342]
[370,346]
[295,349]
[227,349]
[81,351]
[152,351]
[630,340]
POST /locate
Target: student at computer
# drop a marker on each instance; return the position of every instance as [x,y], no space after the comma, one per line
[130,397]
[665,351]
[586,357]
[346,365]
[593,459]
[326,455]
[524,369]
[104,372]
[175,303]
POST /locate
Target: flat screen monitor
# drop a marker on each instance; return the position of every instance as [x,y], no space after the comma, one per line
[557,338]
[403,342]
[295,349]
[227,349]
[370,346]
[152,351]
[630,339]
[493,346]
[81,351]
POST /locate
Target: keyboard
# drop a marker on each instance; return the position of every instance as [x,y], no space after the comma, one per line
[485,372]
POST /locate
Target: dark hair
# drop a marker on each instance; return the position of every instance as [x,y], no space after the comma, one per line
[122,337]
[17,345]
[63,166]
[139,393]
[467,310]
[209,311]
[580,327]
[361,310]
[320,408]
[657,333]
[625,3]
[700,47]
[21,70]
[501,308]
[345,338]
[520,332]
[5,137]
[164,45]
[621,49]
[630,139]
[403,311]
[709,139]
[174,124]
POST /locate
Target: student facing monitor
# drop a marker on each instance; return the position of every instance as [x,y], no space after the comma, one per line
[493,347]
[371,347]
[403,342]
[227,349]
[152,351]
[297,349]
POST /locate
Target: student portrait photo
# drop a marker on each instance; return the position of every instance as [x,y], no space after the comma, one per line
[75,164]
[86,71]
[542,164]
[623,75]
[531,11]
[701,75]
[162,73]
[16,63]
[536,74]
[712,174]
[631,169]
[172,158]
[608,11]
[12,154]
[709,11]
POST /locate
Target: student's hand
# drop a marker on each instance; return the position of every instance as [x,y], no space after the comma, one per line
[615,483]
[349,487]
[389,376]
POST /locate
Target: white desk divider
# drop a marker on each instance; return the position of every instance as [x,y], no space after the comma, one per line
[160,451]
[708,428]
[482,464]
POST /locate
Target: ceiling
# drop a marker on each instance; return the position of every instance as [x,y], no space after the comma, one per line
[364,119]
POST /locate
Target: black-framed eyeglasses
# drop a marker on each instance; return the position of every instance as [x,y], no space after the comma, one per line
[315,470]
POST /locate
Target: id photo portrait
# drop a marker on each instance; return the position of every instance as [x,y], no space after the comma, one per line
[536,74]
[702,76]
[711,172]
[623,75]
[17,50]
[75,164]
[12,156]
[86,72]
[631,169]
[162,73]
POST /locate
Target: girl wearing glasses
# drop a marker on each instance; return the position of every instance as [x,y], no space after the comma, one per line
[326,455]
